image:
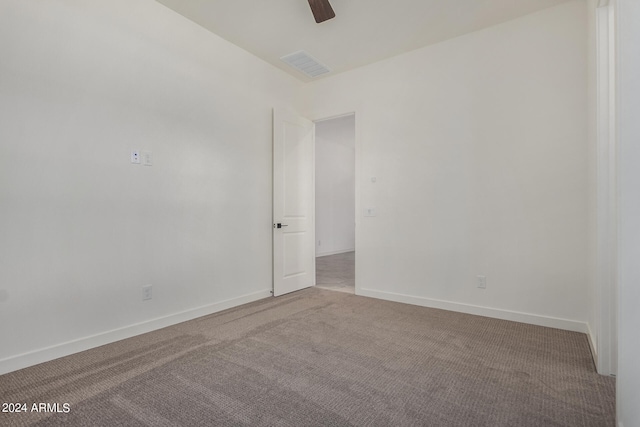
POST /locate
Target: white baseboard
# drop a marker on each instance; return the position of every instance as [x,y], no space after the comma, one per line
[35,357]
[533,319]
[592,345]
[341,251]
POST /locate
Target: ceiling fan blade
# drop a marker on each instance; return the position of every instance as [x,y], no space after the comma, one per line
[322,10]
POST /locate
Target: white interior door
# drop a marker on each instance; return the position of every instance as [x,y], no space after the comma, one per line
[294,264]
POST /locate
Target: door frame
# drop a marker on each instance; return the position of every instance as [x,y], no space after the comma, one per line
[606,286]
[334,113]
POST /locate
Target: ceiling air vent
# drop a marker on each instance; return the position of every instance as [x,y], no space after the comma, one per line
[305,63]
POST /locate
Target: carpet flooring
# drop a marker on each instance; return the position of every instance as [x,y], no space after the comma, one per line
[322,358]
[337,272]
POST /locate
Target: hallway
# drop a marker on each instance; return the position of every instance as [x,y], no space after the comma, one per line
[336,272]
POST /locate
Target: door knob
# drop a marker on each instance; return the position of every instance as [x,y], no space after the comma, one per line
[280,225]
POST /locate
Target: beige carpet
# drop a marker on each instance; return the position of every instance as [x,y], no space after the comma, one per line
[325,358]
[337,272]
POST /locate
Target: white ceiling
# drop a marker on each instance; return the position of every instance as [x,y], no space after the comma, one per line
[363,31]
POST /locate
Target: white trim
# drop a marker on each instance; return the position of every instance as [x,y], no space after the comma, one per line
[606,276]
[337,116]
[592,345]
[516,316]
[341,251]
[46,354]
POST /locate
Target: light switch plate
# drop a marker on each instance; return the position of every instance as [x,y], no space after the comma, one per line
[147,158]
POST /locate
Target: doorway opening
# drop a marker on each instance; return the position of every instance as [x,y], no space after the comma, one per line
[335,181]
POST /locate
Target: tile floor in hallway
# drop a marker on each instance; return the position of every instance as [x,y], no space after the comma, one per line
[336,272]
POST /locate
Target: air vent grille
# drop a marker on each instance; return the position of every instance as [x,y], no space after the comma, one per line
[305,63]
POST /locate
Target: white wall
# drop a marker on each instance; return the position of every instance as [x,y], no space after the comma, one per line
[479,146]
[81,228]
[335,185]
[628,380]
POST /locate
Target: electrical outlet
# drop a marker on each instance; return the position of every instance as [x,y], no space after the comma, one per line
[135,157]
[482,282]
[147,292]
